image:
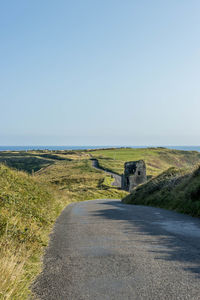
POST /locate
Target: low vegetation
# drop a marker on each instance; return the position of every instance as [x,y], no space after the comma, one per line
[175,189]
[29,205]
[24,161]
[27,211]
[156,159]
[36,185]
[79,180]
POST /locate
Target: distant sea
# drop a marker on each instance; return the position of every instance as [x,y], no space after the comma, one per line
[25,148]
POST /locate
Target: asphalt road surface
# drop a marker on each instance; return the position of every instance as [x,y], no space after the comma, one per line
[117,178]
[104,249]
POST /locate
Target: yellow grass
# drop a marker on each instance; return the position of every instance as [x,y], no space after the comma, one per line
[29,206]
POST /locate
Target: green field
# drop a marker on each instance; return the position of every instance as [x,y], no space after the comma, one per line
[157,159]
[36,185]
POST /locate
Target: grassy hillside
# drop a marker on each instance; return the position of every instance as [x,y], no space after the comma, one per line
[27,211]
[33,161]
[24,161]
[79,180]
[175,189]
[31,201]
[157,159]
[29,206]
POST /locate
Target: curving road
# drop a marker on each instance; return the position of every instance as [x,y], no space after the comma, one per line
[104,249]
[117,178]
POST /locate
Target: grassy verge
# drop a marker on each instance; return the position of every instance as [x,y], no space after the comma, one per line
[175,189]
[108,180]
[27,211]
[29,206]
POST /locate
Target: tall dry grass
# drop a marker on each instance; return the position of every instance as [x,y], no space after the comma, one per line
[29,206]
[175,189]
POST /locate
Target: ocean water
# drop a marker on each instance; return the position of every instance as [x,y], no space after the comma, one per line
[185,148]
[25,148]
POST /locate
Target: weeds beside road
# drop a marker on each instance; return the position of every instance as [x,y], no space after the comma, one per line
[29,206]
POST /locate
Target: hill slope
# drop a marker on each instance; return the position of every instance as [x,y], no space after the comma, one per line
[27,210]
[175,189]
[156,159]
[29,206]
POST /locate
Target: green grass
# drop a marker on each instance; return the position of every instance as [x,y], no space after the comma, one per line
[80,180]
[29,206]
[29,164]
[108,180]
[33,161]
[175,189]
[27,211]
[156,159]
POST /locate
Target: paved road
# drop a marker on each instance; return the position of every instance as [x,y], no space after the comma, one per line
[104,249]
[118,179]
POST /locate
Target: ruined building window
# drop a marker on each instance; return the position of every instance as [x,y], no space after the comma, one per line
[139,173]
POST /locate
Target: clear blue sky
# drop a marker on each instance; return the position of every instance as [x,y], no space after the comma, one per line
[94,72]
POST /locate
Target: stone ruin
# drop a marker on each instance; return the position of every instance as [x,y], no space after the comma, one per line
[134,174]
